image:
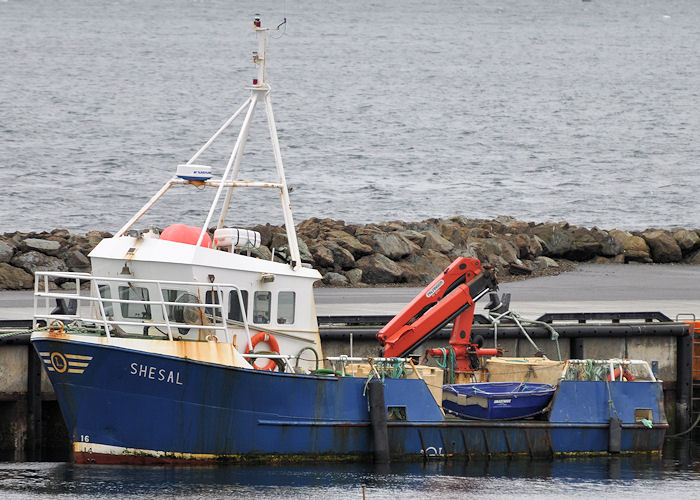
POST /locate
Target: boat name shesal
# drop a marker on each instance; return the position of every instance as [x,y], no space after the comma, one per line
[155,373]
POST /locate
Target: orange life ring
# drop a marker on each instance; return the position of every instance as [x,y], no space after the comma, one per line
[274,347]
[626,374]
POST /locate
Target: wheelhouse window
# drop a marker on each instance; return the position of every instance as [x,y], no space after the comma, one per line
[234,306]
[136,311]
[106,293]
[285,307]
[212,297]
[261,307]
[178,313]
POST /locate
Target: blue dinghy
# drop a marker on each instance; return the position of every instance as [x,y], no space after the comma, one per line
[496,400]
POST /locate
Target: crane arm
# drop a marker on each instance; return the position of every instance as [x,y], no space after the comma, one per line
[450,295]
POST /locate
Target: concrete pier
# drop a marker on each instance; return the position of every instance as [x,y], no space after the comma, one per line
[672,289]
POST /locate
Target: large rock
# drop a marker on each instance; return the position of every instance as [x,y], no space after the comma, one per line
[422,267]
[354,276]
[523,269]
[470,251]
[34,261]
[262,252]
[6,252]
[555,240]
[61,233]
[311,228]
[500,247]
[342,258]
[413,236]
[433,241]
[377,268]
[392,226]
[687,240]
[391,245]
[94,237]
[583,244]
[266,233]
[634,248]
[81,242]
[49,247]
[323,257]
[304,251]
[543,262]
[76,260]
[349,243]
[528,246]
[278,241]
[663,245]
[693,258]
[609,247]
[14,278]
[456,231]
[281,245]
[335,279]
[515,226]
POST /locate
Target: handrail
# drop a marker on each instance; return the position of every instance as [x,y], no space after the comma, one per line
[369,359]
[611,363]
[95,297]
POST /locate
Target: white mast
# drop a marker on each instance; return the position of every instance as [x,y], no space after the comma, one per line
[259,92]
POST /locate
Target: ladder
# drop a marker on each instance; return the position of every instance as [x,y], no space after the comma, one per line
[695,394]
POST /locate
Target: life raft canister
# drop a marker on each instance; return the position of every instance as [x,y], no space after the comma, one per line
[270,340]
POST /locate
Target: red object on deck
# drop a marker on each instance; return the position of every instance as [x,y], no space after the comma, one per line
[449,298]
[181,233]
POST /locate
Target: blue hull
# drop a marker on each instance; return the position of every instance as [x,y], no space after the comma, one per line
[126,406]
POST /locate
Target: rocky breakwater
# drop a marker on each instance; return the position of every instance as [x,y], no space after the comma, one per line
[410,253]
[23,254]
[414,253]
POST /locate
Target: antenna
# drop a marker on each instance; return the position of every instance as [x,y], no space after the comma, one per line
[200,175]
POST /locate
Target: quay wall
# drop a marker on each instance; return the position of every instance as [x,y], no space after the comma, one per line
[31,425]
[410,253]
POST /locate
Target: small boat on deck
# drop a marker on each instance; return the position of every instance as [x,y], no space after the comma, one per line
[496,400]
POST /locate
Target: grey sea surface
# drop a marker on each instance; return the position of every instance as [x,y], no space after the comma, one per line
[672,475]
[581,111]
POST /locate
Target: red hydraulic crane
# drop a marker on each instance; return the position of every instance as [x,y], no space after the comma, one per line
[450,297]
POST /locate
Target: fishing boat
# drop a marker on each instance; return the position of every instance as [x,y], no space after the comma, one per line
[191,346]
[496,400]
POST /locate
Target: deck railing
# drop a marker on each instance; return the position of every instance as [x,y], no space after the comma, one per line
[219,307]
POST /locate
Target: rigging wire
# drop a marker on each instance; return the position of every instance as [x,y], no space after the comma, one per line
[283,23]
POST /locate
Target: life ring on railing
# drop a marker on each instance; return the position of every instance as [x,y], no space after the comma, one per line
[270,340]
[626,374]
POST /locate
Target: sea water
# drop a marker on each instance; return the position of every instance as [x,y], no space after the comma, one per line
[675,474]
[568,110]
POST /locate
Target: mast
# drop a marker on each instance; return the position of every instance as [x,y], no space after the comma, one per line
[259,93]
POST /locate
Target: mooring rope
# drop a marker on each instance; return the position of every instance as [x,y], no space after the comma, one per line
[697,420]
[519,320]
[13,334]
